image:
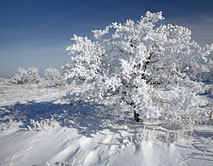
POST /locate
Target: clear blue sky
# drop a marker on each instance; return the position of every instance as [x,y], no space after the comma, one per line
[37,32]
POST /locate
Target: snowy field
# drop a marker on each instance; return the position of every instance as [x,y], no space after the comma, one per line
[38,127]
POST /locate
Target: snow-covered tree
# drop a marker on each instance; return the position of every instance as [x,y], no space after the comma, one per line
[26,76]
[54,78]
[142,67]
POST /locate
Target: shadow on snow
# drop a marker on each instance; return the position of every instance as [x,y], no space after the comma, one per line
[87,118]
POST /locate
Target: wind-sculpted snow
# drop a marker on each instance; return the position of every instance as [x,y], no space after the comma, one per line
[49,131]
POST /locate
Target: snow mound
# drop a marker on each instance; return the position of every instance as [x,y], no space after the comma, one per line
[42,129]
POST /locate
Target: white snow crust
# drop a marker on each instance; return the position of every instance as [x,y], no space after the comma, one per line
[39,128]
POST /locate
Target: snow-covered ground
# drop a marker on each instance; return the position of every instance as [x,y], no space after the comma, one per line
[39,128]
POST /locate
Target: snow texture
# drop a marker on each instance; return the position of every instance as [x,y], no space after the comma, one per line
[38,127]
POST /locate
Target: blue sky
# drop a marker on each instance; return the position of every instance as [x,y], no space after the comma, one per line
[37,32]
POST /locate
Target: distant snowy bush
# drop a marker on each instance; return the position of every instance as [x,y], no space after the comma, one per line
[54,78]
[143,68]
[2,79]
[26,76]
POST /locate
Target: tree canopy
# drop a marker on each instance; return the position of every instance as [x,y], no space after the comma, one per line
[141,66]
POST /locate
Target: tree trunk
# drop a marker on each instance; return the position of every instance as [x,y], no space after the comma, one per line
[136,116]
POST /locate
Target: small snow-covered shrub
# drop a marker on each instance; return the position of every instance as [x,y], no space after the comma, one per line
[44,124]
[26,76]
[54,78]
[2,79]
